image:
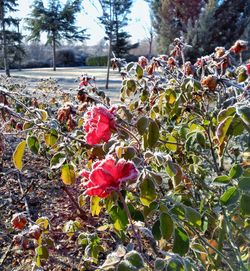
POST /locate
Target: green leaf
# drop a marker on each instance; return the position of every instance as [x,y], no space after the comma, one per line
[230,196]
[153,133]
[223,128]
[244,183]
[175,265]
[171,145]
[139,71]
[198,248]
[131,85]
[147,191]
[181,241]
[201,139]
[166,225]
[142,125]
[68,174]
[156,231]
[126,266]
[236,171]
[57,160]
[135,259]
[226,113]
[170,168]
[159,264]
[245,205]
[42,252]
[193,217]
[33,144]
[242,76]
[130,66]
[71,227]
[222,179]
[94,206]
[18,155]
[51,138]
[179,211]
[244,113]
[119,217]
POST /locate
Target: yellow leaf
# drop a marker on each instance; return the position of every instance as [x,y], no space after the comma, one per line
[44,115]
[95,207]
[68,175]
[18,155]
[51,138]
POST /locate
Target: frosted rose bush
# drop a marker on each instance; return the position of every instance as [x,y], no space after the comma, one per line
[164,176]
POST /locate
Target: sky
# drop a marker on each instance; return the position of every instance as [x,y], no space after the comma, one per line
[138,25]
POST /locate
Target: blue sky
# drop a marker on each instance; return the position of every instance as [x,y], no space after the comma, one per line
[138,24]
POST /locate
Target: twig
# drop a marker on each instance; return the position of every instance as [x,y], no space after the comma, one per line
[5,255]
[130,133]
[83,215]
[26,191]
[136,234]
[19,177]
[212,152]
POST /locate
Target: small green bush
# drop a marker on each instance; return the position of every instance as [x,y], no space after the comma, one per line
[97,61]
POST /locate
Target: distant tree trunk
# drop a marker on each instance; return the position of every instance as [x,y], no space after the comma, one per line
[109,58]
[54,52]
[5,50]
[150,40]
[19,45]
[110,44]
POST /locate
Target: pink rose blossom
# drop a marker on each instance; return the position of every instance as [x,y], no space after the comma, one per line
[143,61]
[107,176]
[99,124]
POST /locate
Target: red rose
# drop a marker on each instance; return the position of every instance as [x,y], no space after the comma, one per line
[99,124]
[248,68]
[143,61]
[85,80]
[239,46]
[107,176]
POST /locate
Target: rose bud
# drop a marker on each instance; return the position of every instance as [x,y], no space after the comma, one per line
[209,82]
[143,61]
[35,232]
[19,221]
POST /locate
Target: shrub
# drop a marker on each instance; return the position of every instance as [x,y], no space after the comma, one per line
[97,61]
[65,58]
[165,174]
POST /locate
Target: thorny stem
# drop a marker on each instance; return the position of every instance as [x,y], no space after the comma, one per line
[136,233]
[83,215]
[130,133]
[212,152]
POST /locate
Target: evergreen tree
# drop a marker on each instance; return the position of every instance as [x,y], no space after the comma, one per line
[114,19]
[221,23]
[10,39]
[57,21]
[170,18]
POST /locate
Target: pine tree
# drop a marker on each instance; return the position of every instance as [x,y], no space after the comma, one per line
[170,18]
[57,21]
[10,39]
[114,19]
